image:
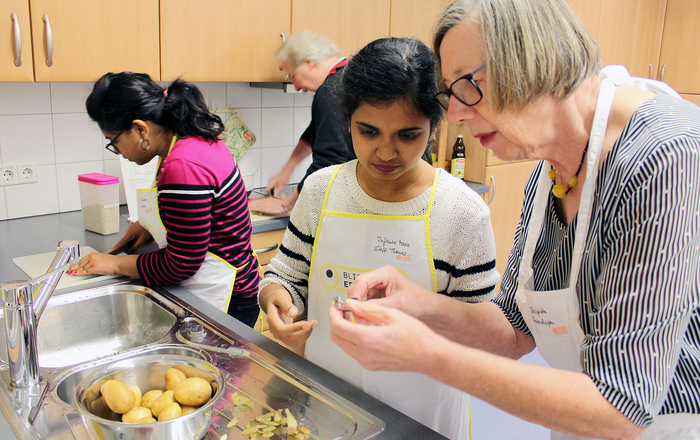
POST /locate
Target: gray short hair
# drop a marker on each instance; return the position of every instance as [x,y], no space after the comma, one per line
[532,47]
[307,45]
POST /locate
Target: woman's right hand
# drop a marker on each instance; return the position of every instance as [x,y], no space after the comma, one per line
[390,287]
[135,232]
[278,182]
[281,312]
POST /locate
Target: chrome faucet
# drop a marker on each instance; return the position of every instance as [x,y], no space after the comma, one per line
[23,304]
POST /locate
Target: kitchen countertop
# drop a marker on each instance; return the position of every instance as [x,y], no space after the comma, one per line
[33,235]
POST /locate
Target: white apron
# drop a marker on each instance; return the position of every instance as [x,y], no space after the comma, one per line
[553,316]
[350,244]
[214,280]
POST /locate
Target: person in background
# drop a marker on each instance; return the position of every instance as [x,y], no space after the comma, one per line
[604,274]
[313,63]
[197,211]
[387,207]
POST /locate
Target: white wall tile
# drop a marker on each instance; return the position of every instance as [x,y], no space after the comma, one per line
[277,127]
[67,182]
[69,97]
[26,139]
[303,99]
[277,98]
[3,207]
[34,198]
[253,120]
[302,118]
[214,93]
[114,168]
[251,163]
[77,138]
[241,95]
[24,98]
[300,170]
[273,159]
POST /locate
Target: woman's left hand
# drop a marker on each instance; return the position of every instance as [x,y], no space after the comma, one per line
[96,263]
[383,339]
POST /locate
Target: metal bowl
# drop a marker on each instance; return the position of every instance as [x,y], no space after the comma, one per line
[148,373]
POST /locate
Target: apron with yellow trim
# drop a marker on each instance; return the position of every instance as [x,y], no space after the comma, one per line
[347,245]
[553,316]
[214,280]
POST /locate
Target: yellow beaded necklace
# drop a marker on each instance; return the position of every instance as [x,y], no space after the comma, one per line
[560,190]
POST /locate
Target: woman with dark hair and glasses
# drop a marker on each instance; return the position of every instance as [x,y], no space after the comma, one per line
[389,206]
[197,211]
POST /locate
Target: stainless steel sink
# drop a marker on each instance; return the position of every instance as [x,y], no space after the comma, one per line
[79,327]
[83,331]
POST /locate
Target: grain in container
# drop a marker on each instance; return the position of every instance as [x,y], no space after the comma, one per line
[99,199]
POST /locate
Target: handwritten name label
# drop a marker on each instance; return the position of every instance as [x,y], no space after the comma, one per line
[391,246]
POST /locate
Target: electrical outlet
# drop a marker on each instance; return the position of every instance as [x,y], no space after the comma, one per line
[8,175]
[27,173]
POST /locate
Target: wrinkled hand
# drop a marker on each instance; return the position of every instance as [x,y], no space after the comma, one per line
[277,182]
[280,318]
[385,339]
[274,205]
[96,263]
[135,232]
[390,287]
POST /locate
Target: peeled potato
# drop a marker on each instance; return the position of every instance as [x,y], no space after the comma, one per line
[193,391]
[118,396]
[173,377]
[137,396]
[150,397]
[171,411]
[136,414]
[195,372]
[187,409]
[161,402]
[148,419]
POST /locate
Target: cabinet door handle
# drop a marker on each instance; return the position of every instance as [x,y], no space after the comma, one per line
[663,71]
[284,37]
[493,194]
[18,39]
[267,249]
[49,41]
[651,71]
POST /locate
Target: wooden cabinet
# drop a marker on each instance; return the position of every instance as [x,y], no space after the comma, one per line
[81,40]
[351,24]
[679,62]
[222,40]
[506,181]
[16,62]
[630,34]
[410,18]
[589,13]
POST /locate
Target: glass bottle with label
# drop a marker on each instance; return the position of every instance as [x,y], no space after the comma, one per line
[458,158]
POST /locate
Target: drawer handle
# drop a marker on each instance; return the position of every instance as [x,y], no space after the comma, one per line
[266,250]
[18,39]
[49,41]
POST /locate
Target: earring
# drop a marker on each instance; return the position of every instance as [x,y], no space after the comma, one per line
[148,147]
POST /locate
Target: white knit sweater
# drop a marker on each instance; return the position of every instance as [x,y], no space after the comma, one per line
[460,229]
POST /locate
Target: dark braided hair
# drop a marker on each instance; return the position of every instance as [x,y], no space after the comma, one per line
[389,70]
[117,99]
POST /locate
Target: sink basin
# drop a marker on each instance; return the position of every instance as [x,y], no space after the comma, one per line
[76,328]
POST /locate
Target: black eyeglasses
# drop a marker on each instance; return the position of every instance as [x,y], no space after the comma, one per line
[111,146]
[464,89]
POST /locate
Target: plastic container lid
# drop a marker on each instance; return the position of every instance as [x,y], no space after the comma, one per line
[98,179]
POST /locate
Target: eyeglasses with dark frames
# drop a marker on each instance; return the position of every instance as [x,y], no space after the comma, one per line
[464,89]
[111,144]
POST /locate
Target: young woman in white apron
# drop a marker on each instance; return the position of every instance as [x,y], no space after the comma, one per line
[389,207]
[199,184]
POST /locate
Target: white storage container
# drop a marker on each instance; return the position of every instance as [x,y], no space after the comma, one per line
[99,198]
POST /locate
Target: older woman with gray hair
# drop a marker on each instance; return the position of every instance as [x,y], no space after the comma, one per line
[604,275]
[312,62]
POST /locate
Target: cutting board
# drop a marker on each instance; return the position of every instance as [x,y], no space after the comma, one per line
[36,265]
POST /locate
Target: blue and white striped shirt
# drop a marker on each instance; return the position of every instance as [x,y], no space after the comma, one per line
[639,284]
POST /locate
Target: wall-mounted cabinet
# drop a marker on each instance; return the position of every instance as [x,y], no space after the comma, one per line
[410,18]
[222,40]
[351,24]
[16,62]
[81,40]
